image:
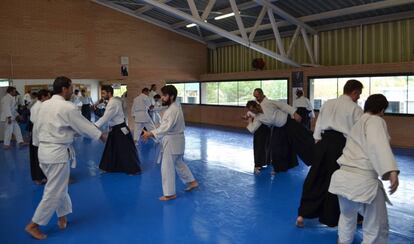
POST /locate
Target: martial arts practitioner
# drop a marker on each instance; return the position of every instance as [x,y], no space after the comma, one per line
[86,102]
[37,174]
[288,136]
[58,121]
[157,110]
[152,93]
[171,133]
[120,153]
[335,120]
[366,157]
[139,111]
[9,115]
[262,137]
[304,108]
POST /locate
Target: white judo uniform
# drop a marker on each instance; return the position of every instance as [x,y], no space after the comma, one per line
[34,112]
[9,109]
[366,157]
[139,111]
[58,121]
[171,133]
[269,106]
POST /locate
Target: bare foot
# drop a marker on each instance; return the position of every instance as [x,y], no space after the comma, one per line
[167,198]
[257,170]
[33,230]
[299,222]
[273,172]
[62,222]
[6,147]
[191,186]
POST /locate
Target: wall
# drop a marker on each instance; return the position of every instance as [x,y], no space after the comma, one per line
[389,42]
[47,38]
[20,84]
[401,127]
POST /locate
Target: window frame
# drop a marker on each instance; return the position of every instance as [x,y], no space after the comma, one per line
[309,78]
[227,80]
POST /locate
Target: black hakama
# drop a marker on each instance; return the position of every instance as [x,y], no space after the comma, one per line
[86,111]
[316,201]
[35,170]
[120,153]
[261,143]
[283,156]
[306,120]
[301,140]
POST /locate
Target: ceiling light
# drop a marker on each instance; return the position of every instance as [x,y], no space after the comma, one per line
[224,16]
[190,25]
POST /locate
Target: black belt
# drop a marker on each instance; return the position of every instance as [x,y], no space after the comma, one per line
[119,126]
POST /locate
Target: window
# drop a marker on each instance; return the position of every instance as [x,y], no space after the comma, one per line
[230,93]
[399,91]
[119,90]
[237,93]
[4,83]
[188,92]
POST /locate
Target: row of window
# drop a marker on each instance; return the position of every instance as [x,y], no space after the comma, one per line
[230,93]
[4,83]
[399,91]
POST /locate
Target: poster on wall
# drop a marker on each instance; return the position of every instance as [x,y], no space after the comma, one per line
[124,66]
[297,83]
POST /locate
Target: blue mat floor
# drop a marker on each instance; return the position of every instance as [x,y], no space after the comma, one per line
[231,206]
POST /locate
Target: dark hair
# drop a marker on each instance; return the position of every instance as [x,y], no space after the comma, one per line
[169,90]
[299,93]
[83,90]
[10,89]
[352,85]
[42,93]
[251,103]
[59,83]
[375,104]
[157,96]
[33,94]
[145,90]
[153,85]
[108,89]
[259,90]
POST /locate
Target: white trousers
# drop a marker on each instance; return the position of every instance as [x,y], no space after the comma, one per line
[55,195]
[9,130]
[375,225]
[139,126]
[170,164]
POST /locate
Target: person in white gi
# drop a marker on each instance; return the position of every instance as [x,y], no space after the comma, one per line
[152,93]
[158,110]
[8,115]
[139,111]
[58,121]
[334,123]
[171,132]
[304,108]
[366,157]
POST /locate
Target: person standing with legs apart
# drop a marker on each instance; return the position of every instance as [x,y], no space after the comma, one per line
[366,157]
[58,121]
[140,113]
[37,174]
[171,132]
[120,153]
[9,115]
[335,120]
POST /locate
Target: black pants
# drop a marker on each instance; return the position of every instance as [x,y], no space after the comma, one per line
[316,201]
[283,156]
[261,141]
[304,113]
[35,170]
[86,111]
[120,153]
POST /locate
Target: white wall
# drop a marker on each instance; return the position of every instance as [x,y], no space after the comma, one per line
[20,83]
